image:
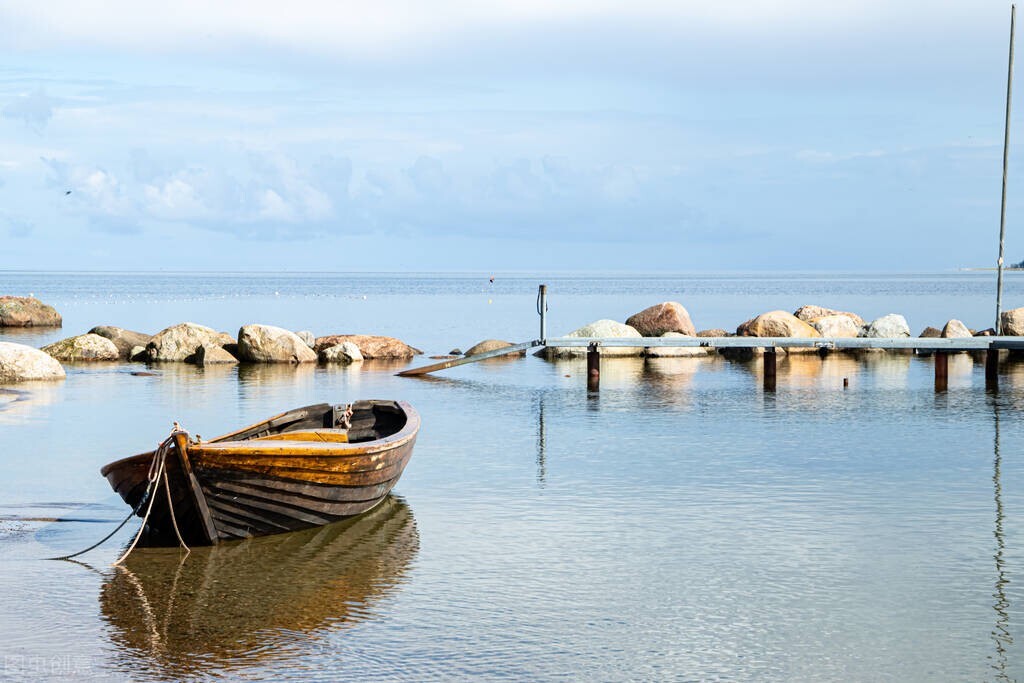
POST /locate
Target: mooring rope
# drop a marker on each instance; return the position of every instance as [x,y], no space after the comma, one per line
[157,470]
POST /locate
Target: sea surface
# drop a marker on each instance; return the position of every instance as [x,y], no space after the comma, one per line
[679,524]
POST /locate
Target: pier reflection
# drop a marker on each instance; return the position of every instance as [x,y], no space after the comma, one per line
[248,602]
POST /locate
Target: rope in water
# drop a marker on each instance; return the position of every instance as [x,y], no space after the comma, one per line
[157,470]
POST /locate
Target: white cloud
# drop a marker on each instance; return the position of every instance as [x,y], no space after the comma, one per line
[35,109]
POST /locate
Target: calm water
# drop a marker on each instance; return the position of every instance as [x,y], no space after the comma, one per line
[679,525]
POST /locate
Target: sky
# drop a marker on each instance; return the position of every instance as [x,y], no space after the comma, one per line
[384,135]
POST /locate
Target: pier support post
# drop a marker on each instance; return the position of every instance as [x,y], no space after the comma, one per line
[992,369]
[593,367]
[941,370]
[769,369]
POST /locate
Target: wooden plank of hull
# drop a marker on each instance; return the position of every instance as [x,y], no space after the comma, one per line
[268,463]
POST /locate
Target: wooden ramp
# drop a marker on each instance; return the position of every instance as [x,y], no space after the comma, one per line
[444,365]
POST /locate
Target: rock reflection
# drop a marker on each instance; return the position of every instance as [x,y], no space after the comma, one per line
[242,603]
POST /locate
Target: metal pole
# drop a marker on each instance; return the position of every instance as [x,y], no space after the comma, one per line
[1006,153]
[542,309]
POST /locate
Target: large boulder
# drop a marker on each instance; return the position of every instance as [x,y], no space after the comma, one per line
[180,342]
[269,344]
[84,347]
[20,363]
[124,340]
[955,329]
[345,352]
[25,311]
[776,324]
[491,345]
[1013,322]
[308,337]
[890,326]
[655,321]
[677,351]
[809,313]
[716,332]
[839,325]
[373,347]
[600,329]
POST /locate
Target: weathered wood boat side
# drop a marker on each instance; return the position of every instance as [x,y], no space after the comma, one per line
[307,467]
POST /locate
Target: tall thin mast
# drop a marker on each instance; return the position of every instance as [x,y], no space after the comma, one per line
[1006,154]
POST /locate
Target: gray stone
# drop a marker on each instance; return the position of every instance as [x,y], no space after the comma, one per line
[656,320]
[138,353]
[269,344]
[373,347]
[26,311]
[955,329]
[1013,322]
[839,325]
[600,328]
[930,333]
[20,363]
[124,340]
[345,352]
[892,326]
[211,354]
[677,351]
[308,337]
[84,347]
[455,352]
[180,342]
[810,312]
[491,345]
[716,332]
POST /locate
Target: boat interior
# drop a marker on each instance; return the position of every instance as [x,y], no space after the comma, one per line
[353,423]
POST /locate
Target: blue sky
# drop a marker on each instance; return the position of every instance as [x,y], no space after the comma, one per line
[526,135]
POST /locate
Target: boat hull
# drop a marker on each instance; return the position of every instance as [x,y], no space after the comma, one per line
[236,487]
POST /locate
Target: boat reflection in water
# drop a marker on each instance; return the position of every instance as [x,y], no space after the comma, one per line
[248,602]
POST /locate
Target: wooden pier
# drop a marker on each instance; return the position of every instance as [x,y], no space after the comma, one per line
[940,347]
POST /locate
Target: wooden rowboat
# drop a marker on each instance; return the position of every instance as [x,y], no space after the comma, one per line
[306,467]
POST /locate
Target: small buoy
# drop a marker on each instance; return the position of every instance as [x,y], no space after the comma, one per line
[568,375]
[364,297]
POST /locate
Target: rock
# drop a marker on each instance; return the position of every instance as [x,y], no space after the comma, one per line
[955,329]
[371,346]
[269,344]
[180,342]
[676,351]
[124,340]
[20,363]
[776,324]
[716,332]
[84,347]
[211,354]
[600,328]
[838,325]
[455,352]
[138,353]
[809,313]
[930,333]
[1013,322]
[987,332]
[491,345]
[656,320]
[345,352]
[307,336]
[25,311]
[890,326]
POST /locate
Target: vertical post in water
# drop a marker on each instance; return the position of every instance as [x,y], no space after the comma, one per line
[941,370]
[769,368]
[542,309]
[593,367]
[1006,153]
[992,369]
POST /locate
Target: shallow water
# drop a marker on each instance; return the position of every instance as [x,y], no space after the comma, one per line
[680,524]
